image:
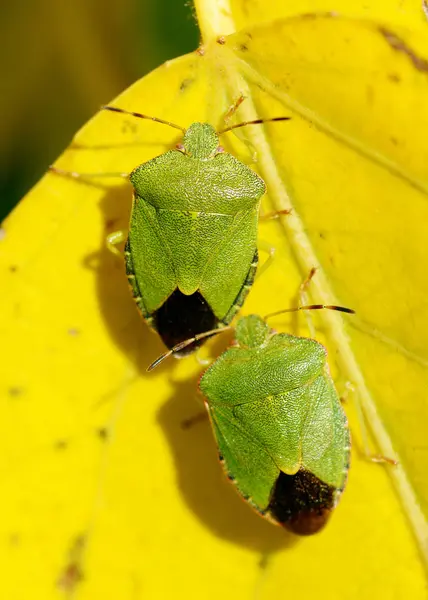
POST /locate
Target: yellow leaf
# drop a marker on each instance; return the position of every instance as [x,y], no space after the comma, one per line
[397,11]
[105,495]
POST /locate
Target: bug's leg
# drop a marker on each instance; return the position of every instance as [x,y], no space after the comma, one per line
[233,108]
[262,245]
[231,111]
[303,300]
[115,238]
[270,250]
[83,176]
[275,214]
[204,362]
[252,152]
[365,450]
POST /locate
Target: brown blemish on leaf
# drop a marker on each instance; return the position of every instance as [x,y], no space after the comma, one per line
[396,43]
[264,560]
[15,392]
[111,223]
[14,539]
[13,268]
[329,14]
[61,445]
[185,84]
[370,95]
[394,77]
[72,574]
[102,433]
[221,40]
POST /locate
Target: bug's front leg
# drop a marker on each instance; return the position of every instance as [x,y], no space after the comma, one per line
[115,238]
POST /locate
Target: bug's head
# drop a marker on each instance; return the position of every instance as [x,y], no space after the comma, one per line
[252,331]
[200,141]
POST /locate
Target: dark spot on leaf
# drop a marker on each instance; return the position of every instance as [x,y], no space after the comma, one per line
[61,445]
[396,43]
[243,47]
[102,433]
[319,15]
[191,421]
[394,141]
[322,235]
[111,223]
[70,577]
[185,84]
[73,331]
[13,268]
[14,392]
[308,16]
[394,77]
[14,539]
[72,573]
[221,40]
[264,560]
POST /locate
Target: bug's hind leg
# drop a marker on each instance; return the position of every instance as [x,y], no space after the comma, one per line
[365,450]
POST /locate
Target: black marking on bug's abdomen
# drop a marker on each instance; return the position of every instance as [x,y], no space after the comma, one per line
[302,502]
[182,317]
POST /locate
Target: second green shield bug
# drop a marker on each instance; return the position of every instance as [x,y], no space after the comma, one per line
[280,428]
[191,250]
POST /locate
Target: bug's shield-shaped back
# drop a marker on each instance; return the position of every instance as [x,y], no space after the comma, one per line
[274,410]
[194,228]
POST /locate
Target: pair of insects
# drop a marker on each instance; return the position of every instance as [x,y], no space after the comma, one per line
[191,258]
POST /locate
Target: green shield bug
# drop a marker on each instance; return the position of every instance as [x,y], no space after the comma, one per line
[191,251]
[281,432]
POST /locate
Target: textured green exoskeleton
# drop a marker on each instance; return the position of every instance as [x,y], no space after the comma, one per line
[191,252]
[281,431]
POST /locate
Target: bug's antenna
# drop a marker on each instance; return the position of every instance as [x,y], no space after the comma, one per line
[255,122]
[141,116]
[184,344]
[311,307]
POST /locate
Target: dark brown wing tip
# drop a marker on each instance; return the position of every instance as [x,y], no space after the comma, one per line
[302,503]
[308,522]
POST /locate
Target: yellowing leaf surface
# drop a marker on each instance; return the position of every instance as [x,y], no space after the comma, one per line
[105,494]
